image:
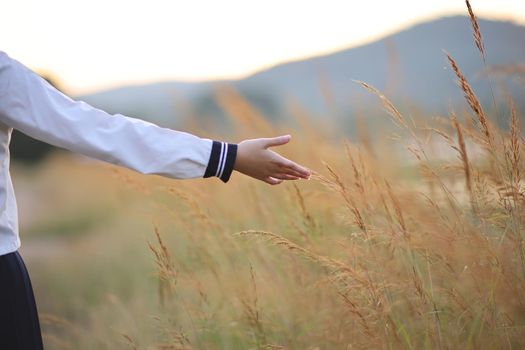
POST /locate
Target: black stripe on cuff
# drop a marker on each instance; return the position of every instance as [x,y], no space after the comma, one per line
[213,163]
[231,155]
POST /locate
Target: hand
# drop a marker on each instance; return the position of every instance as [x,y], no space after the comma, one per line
[256,160]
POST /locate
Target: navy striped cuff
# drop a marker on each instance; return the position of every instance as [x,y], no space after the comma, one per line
[222,159]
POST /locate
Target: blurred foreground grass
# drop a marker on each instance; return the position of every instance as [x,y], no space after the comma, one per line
[372,252]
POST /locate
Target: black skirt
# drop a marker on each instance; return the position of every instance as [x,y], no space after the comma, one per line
[19,325]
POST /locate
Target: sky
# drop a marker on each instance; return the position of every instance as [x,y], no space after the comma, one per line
[100,44]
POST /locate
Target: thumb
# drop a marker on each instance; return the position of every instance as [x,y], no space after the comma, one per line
[277,141]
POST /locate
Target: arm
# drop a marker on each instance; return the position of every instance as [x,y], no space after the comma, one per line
[28,103]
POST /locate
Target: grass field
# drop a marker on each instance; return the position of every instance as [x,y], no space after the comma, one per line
[372,252]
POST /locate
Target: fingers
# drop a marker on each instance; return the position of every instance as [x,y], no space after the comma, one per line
[287,166]
[286,177]
[276,141]
[272,181]
[278,178]
[299,170]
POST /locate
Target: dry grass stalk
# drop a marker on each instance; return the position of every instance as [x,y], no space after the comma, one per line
[353,308]
[474,104]
[399,121]
[515,152]
[252,311]
[302,233]
[165,268]
[481,48]
[440,133]
[476,31]
[451,226]
[461,148]
[340,187]
[387,214]
[358,173]
[175,337]
[397,117]
[129,341]
[398,211]
[470,128]
[307,217]
[515,194]
[338,268]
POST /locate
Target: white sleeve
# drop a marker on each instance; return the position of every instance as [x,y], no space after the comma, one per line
[31,105]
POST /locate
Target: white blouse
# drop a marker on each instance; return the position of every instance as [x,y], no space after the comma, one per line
[31,105]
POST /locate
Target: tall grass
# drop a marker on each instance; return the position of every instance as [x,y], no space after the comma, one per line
[361,256]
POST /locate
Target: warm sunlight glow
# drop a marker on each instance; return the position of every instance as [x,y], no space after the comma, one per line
[97,44]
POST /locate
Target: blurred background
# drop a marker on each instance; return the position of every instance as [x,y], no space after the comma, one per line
[164,60]
[231,70]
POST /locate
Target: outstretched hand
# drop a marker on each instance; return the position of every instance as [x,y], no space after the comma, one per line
[256,160]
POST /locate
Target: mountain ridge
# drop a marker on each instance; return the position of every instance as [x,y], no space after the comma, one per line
[407,65]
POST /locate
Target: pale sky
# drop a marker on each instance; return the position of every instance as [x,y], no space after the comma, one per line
[99,44]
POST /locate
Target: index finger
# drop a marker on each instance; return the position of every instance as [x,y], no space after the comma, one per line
[302,171]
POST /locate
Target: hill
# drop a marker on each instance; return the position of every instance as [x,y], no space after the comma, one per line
[409,66]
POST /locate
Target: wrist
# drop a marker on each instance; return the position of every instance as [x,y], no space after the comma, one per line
[239,158]
[222,160]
